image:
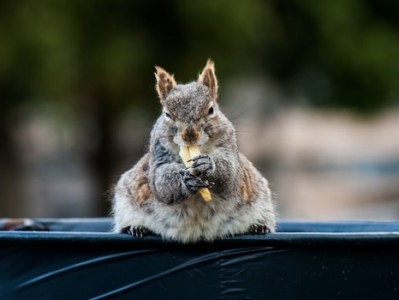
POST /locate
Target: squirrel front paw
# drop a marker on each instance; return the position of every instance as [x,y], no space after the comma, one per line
[202,166]
[193,183]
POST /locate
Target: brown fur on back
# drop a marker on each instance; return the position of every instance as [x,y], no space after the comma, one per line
[246,185]
[137,183]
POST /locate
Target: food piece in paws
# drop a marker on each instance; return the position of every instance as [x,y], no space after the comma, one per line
[187,153]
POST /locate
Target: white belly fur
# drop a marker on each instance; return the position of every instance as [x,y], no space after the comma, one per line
[193,219]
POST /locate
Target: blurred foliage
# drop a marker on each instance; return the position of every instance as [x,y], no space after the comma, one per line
[94,59]
[337,53]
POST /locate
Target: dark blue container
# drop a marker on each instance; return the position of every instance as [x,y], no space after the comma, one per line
[80,259]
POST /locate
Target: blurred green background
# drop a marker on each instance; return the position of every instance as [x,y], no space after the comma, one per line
[78,101]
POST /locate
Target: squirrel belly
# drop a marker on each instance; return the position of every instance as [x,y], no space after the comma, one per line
[193,219]
[164,192]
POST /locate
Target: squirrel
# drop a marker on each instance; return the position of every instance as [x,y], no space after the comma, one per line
[159,195]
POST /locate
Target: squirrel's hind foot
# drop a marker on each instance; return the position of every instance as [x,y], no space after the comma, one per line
[258,229]
[137,231]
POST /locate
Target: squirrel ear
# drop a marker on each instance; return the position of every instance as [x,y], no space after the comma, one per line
[164,82]
[208,78]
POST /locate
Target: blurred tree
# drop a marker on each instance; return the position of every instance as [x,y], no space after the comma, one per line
[342,53]
[95,58]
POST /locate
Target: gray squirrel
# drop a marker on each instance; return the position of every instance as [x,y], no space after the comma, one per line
[159,195]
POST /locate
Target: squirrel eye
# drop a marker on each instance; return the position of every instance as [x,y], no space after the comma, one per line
[211,110]
[168,115]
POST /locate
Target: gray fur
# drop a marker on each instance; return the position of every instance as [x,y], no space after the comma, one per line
[174,208]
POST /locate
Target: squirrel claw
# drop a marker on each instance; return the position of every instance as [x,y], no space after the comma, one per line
[136,231]
[259,229]
[209,184]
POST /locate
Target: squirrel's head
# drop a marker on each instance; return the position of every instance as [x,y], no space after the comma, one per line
[190,111]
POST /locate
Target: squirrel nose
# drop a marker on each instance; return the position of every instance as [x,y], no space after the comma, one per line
[190,135]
